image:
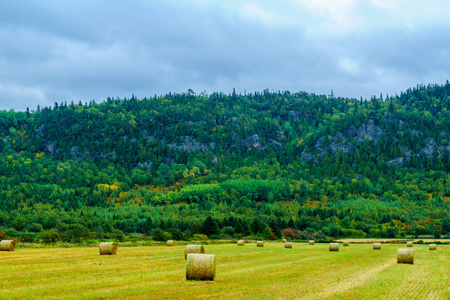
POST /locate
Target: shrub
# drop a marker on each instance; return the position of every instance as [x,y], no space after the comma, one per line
[158,235]
[352,233]
[11,232]
[35,227]
[28,238]
[319,235]
[304,235]
[48,236]
[118,235]
[75,233]
[175,233]
[290,233]
[198,236]
[268,234]
[332,230]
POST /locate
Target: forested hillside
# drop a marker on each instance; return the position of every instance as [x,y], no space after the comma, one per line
[228,165]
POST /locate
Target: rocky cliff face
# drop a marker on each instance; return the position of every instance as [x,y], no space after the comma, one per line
[190,144]
[235,137]
[367,131]
[431,149]
[349,140]
[344,141]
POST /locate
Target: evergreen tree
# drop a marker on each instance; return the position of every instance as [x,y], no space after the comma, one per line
[209,226]
[147,226]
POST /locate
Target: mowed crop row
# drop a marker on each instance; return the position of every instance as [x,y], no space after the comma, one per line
[272,272]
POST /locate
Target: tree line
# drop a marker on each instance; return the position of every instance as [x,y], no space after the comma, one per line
[277,163]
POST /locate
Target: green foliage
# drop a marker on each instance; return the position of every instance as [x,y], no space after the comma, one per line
[35,227]
[117,235]
[158,235]
[28,238]
[201,237]
[48,236]
[176,234]
[255,164]
[75,233]
[268,234]
[229,230]
[209,226]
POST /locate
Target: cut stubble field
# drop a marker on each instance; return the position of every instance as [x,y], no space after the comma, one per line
[272,272]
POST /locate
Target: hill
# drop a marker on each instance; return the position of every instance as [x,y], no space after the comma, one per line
[257,164]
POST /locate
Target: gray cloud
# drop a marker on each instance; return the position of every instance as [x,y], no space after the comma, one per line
[54,51]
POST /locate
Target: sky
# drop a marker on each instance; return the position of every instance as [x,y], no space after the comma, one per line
[55,51]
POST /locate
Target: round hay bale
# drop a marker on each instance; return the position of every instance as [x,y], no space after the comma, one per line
[334,247]
[170,243]
[8,245]
[376,246]
[345,243]
[200,266]
[409,244]
[284,240]
[311,242]
[405,256]
[288,245]
[432,247]
[241,243]
[108,248]
[260,244]
[193,249]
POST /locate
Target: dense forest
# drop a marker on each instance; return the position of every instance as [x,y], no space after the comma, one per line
[264,165]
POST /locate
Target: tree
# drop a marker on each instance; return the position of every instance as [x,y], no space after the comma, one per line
[446,224]
[268,234]
[437,234]
[345,222]
[175,233]
[209,226]
[163,171]
[147,225]
[290,233]
[254,226]
[75,233]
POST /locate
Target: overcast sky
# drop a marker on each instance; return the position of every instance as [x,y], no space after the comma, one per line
[56,51]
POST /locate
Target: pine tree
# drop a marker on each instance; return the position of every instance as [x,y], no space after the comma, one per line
[209,226]
[147,226]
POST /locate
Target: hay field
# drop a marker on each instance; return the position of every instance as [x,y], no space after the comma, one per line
[250,272]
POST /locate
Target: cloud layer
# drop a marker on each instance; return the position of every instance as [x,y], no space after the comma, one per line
[55,51]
